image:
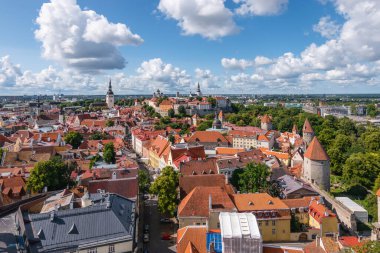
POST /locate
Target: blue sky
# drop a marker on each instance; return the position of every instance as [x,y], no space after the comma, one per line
[232,46]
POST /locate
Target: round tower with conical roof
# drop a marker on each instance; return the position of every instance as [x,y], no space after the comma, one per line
[316,165]
[110,99]
[266,122]
[307,132]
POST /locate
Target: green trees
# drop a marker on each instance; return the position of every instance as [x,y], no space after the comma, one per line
[109,154]
[110,123]
[74,139]
[98,136]
[212,101]
[171,113]
[165,187]
[368,247]
[182,111]
[362,168]
[253,178]
[54,174]
[144,181]
[339,152]
[204,125]
[371,110]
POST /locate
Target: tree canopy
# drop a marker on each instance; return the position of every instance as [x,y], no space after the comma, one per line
[253,178]
[74,139]
[110,123]
[144,181]
[165,187]
[109,154]
[54,174]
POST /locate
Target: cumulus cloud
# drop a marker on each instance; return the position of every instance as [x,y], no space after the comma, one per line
[233,63]
[154,74]
[81,39]
[261,7]
[208,18]
[8,72]
[206,78]
[327,27]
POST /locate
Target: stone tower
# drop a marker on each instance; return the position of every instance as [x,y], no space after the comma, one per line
[294,130]
[307,132]
[221,116]
[110,99]
[61,117]
[316,165]
[266,122]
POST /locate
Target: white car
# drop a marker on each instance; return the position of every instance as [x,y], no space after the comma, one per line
[146,237]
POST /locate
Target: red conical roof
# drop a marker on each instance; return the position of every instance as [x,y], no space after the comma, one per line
[265,119]
[307,127]
[294,128]
[315,151]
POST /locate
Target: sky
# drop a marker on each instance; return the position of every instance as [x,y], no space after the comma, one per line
[228,46]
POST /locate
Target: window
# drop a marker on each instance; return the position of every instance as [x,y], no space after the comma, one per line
[273,231]
[198,224]
[218,225]
[93,250]
[111,248]
[266,223]
[273,223]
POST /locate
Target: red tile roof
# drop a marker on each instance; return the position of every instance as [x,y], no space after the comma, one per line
[307,127]
[196,203]
[126,187]
[266,119]
[188,183]
[199,167]
[315,151]
[207,136]
[193,235]
[349,241]
[319,211]
[257,202]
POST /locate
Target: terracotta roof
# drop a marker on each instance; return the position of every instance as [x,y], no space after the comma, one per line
[16,184]
[228,151]
[315,151]
[307,127]
[195,235]
[126,187]
[196,203]
[199,167]
[280,249]
[378,193]
[349,241]
[319,211]
[330,245]
[207,136]
[266,119]
[188,183]
[297,203]
[257,201]
[194,152]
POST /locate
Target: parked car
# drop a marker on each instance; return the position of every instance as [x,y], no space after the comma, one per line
[165,220]
[146,237]
[165,237]
[146,228]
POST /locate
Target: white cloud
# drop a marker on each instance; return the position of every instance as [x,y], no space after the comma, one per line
[261,7]
[80,39]
[153,74]
[233,63]
[206,79]
[208,18]
[261,60]
[8,72]
[327,28]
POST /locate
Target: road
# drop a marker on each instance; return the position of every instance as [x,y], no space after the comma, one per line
[156,229]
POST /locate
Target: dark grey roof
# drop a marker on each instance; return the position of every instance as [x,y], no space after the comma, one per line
[112,219]
[289,185]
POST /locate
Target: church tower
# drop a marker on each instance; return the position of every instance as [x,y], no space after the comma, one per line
[199,92]
[110,99]
[307,132]
[316,165]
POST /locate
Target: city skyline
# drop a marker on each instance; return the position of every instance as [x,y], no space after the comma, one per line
[229,47]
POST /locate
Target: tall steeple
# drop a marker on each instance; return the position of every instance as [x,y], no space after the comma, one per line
[199,93]
[110,99]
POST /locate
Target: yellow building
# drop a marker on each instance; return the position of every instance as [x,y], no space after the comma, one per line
[322,218]
[272,215]
[156,150]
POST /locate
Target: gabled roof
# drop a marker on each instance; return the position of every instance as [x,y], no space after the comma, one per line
[266,119]
[257,201]
[199,167]
[188,183]
[207,136]
[319,211]
[315,151]
[197,202]
[126,187]
[191,239]
[307,127]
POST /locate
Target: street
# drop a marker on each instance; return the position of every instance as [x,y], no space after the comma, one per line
[157,228]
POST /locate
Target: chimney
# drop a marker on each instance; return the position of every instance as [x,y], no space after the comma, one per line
[209,202]
[317,241]
[114,176]
[226,179]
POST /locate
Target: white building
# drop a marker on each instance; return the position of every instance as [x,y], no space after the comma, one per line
[240,233]
[360,213]
[110,99]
